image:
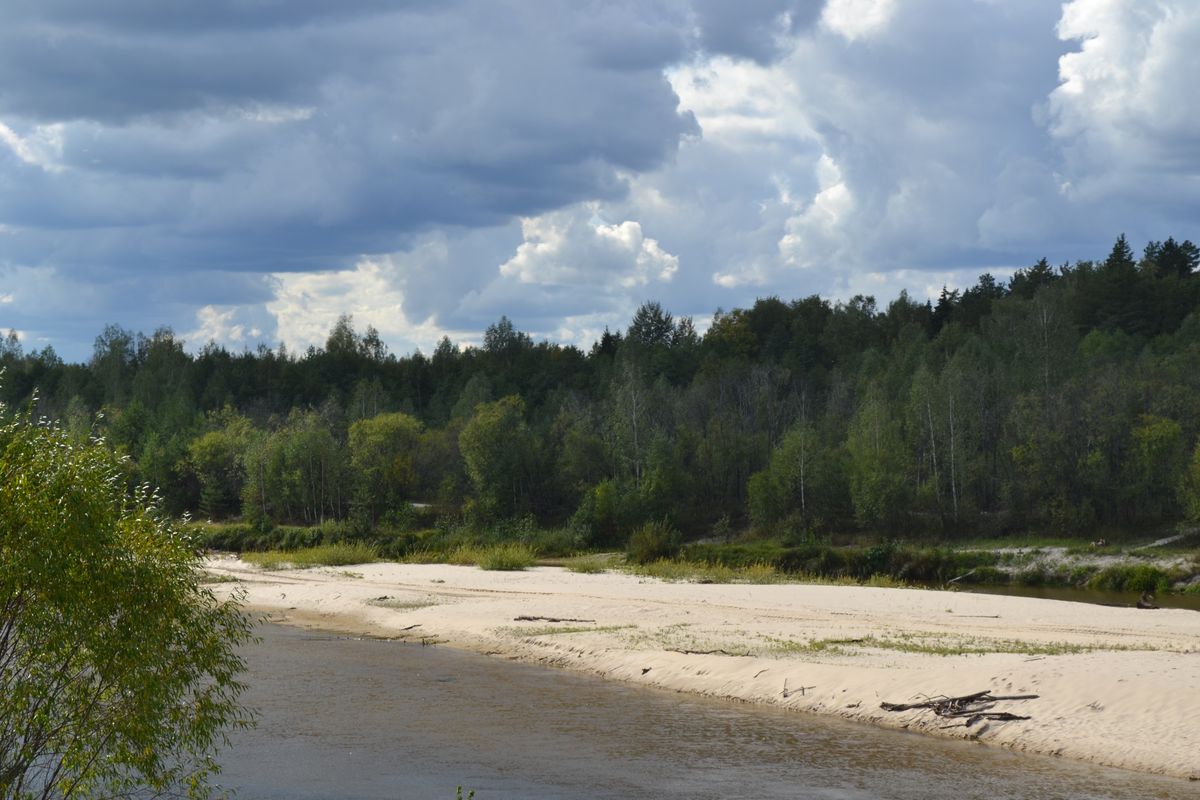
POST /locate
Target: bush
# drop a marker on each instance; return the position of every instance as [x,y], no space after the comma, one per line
[552,542]
[512,556]
[1138,578]
[118,667]
[653,541]
[587,565]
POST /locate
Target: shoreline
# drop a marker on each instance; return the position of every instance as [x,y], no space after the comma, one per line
[1118,687]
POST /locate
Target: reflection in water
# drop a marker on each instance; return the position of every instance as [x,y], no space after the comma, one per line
[345,718]
[1095,596]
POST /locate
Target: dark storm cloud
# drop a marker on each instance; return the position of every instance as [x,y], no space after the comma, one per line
[222,166]
[280,137]
[754,29]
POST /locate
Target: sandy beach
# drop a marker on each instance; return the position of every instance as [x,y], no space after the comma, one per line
[1114,686]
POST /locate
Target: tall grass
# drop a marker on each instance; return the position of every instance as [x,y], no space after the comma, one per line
[325,555]
[587,565]
[509,556]
[677,570]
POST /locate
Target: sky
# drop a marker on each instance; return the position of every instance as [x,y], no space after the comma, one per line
[245,171]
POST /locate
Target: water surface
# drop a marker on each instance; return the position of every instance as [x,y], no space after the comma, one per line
[1096,596]
[350,718]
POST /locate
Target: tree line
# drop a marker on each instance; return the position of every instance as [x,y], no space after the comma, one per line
[1066,398]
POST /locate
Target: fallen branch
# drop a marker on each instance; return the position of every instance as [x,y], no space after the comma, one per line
[975,707]
[707,653]
[549,619]
[960,577]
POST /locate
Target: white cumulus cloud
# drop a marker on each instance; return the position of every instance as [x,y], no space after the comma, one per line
[1125,111]
[571,248]
[857,19]
[307,305]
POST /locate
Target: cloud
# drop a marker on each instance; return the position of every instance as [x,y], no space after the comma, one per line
[42,148]
[264,140]
[758,30]
[231,167]
[306,306]
[857,19]
[222,326]
[1124,112]
[818,224]
[565,249]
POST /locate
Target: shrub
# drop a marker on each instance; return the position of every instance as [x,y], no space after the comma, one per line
[1137,578]
[653,541]
[118,667]
[511,556]
[552,542]
[587,565]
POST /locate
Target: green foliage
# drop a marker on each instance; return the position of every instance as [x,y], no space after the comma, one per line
[326,555]
[297,473]
[878,480]
[587,565]
[1189,488]
[118,668]
[509,556]
[216,457]
[679,570]
[607,512]
[1158,461]
[495,448]
[382,456]
[653,541]
[1062,402]
[1136,578]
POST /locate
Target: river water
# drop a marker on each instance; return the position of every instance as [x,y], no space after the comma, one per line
[353,718]
[1099,597]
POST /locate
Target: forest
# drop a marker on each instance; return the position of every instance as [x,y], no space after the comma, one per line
[1065,400]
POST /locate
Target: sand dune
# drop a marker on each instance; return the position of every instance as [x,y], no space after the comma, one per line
[1115,686]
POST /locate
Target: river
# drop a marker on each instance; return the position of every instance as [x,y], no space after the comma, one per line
[361,718]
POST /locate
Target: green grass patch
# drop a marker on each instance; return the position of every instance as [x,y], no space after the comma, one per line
[676,570]
[509,556]
[326,555]
[587,565]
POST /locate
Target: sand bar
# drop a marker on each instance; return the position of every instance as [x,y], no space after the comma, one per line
[1115,686]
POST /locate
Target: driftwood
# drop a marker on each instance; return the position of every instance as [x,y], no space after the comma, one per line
[960,577]
[706,652]
[974,707]
[549,619]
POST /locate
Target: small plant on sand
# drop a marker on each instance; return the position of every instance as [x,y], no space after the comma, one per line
[587,565]
[398,604]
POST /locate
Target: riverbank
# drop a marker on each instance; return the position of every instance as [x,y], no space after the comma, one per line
[1115,686]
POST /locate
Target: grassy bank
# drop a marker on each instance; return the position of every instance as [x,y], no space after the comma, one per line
[1131,566]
